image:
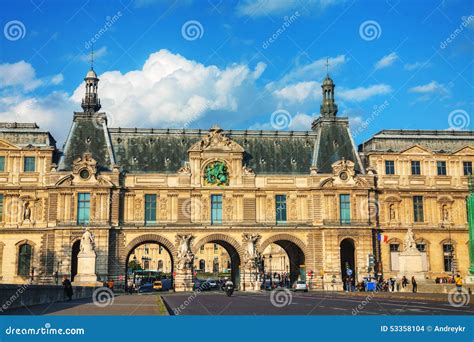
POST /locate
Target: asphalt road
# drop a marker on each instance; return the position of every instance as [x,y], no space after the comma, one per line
[307,304]
[278,303]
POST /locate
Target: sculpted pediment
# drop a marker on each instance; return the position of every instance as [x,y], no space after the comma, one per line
[84,172]
[343,175]
[465,151]
[5,145]
[416,150]
[216,140]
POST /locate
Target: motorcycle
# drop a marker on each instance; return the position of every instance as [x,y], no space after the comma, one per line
[228,289]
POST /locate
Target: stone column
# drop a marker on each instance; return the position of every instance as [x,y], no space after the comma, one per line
[470,220]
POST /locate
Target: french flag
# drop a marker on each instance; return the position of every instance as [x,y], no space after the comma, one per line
[383,237]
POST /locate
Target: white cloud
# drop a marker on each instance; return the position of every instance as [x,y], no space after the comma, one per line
[432,87]
[257,8]
[20,74]
[168,91]
[301,122]
[97,54]
[363,93]
[386,61]
[314,70]
[417,65]
[299,92]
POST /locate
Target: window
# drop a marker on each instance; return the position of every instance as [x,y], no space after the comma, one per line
[418,208]
[415,167]
[2,164]
[202,248]
[448,257]
[421,247]
[1,207]
[216,248]
[160,249]
[216,209]
[24,260]
[441,166]
[467,166]
[160,265]
[280,208]
[215,265]
[83,207]
[202,265]
[150,208]
[147,250]
[29,164]
[394,247]
[389,167]
[345,209]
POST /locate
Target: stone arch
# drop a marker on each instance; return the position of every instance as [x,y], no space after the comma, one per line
[348,237]
[150,238]
[233,248]
[218,237]
[286,237]
[295,250]
[33,259]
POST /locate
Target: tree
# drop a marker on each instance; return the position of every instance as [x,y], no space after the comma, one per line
[134,265]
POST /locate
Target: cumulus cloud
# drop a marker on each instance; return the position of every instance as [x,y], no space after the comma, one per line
[171,90]
[417,65]
[20,74]
[430,88]
[386,61]
[299,92]
[363,93]
[258,8]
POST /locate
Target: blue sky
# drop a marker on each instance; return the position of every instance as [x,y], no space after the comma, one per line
[240,64]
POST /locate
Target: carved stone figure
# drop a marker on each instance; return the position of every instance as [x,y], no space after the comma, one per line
[251,244]
[445,213]
[392,212]
[247,170]
[410,244]
[185,256]
[87,242]
[26,211]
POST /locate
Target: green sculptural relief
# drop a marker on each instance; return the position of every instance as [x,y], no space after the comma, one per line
[216,174]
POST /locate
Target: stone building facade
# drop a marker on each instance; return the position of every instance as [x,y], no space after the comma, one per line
[313,193]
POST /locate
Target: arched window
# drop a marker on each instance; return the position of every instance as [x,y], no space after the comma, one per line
[202,265]
[215,266]
[160,265]
[448,257]
[24,259]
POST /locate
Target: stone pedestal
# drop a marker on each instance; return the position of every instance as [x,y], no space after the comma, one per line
[183,280]
[86,275]
[411,265]
[248,281]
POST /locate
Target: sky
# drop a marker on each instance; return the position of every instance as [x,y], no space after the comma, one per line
[397,64]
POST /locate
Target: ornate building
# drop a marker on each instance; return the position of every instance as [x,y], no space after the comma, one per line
[311,193]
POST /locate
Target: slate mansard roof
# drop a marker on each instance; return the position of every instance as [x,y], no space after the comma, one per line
[433,140]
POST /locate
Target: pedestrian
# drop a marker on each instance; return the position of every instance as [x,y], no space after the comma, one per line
[68,292]
[458,281]
[404,282]
[110,284]
[392,284]
[413,283]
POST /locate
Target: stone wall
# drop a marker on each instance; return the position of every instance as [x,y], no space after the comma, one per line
[13,296]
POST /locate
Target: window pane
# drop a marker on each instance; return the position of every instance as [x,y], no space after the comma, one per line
[415,167]
[150,208]
[441,165]
[389,167]
[2,163]
[345,208]
[216,209]
[83,208]
[29,164]
[467,166]
[24,260]
[418,208]
[394,247]
[280,208]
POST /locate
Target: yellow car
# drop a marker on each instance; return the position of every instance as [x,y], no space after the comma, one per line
[157,285]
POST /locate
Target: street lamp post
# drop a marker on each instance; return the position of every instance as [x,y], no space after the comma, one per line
[271,273]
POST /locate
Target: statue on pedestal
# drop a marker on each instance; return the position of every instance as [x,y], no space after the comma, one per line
[86,260]
[410,244]
[87,242]
[251,253]
[185,256]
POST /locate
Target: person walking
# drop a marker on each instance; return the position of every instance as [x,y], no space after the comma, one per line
[404,282]
[458,282]
[413,283]
[68,292]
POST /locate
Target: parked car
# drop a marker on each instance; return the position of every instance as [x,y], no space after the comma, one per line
[300,286]
[147,287]
[212,284]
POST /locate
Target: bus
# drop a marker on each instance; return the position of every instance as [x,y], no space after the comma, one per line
[150,280]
